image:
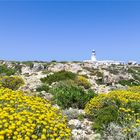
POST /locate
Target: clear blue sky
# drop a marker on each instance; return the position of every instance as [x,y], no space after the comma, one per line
[69,30]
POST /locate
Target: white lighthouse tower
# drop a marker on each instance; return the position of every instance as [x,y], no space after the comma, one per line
[93,56]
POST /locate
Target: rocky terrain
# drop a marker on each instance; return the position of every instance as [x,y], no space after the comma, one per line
[102,78]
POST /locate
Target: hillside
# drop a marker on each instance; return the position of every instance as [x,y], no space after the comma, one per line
[69,86]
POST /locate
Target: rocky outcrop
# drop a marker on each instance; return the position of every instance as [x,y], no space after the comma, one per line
[82,130]
[32,81]
[67,67]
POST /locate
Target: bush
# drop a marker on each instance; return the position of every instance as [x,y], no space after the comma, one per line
[104,116]
[120,98]
[135,89]
[28,117]
[129,82]
[6,71]
[130,122]
[43,87]
[82,81]
[113,132]
[59,76]
[120,107]
[73,113]
[12,82]
[29,63]
[70,95]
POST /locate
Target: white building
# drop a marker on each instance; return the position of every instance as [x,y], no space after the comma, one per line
[93,56]
[104,62]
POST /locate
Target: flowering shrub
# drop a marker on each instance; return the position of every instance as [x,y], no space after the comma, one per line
[12,82]
[82,81]
[130,122]
[28,117]
[116,98]
[135,89]
[125,111]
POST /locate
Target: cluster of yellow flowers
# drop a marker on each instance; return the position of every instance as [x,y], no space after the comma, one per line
[25,117]
[122,96]
[135,89]
[127,103]
[130,121]
[82,81]
[11,82]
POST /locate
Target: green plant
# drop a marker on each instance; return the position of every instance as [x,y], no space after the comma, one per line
[73,113]
[6,71]
[58,76]
[82,81]
[43,87]
[81,117]
[70,95]
[29,63]
[99,81]
[120,107]
[113,132]
[45,72]
[135,89]
[104,116]
[130,122]
[97,127]
[12,82]
[135,106]
[129,82]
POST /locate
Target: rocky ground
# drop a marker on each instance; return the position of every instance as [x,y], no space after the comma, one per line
[103,79]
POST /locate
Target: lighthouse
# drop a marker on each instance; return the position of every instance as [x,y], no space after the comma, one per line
[93,56]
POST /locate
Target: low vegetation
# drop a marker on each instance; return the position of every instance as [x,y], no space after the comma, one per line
[29,117]
[115,115]
[11,82]
[118,107]
[6,71]
[58,76]
[43,87]
[130,82]
[67,94]
[82,81]
[28,63]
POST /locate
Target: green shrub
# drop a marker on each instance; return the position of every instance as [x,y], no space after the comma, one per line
[135,89]
[29,63]
[70,95]
[43,87]
[45,72]
[53,61]
[104,116]
[59,76]
[96,126]
[129,82]
[6,71]
[18,68]
[99,81]
[82,81]
[105,108]
[12,82]
[135,106]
